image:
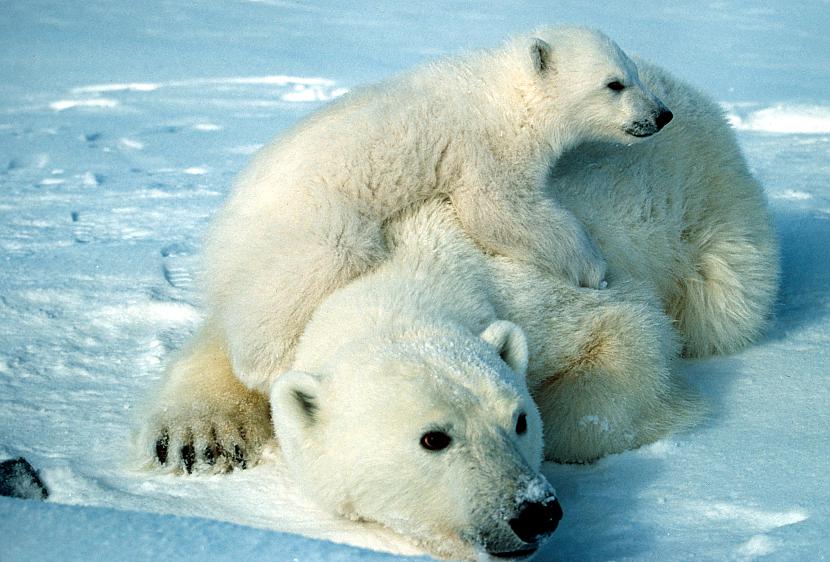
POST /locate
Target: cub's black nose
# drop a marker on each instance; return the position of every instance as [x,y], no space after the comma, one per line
[664,118]
[536,520]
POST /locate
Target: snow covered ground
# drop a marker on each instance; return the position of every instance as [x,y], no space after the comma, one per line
[122,125]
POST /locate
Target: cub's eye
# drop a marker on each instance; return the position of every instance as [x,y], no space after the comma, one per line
[521,424]
[616,86]
[435,441]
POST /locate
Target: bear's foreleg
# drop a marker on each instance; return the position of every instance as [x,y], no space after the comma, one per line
[203,418]
[289,272]
[530,227]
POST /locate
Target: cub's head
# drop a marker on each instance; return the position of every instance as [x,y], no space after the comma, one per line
[586,87]
[433,435]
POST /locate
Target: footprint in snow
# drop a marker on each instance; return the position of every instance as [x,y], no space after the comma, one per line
[82,231]
[179,266]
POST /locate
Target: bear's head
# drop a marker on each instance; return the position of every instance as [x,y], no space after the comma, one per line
[587,89]
[433,434]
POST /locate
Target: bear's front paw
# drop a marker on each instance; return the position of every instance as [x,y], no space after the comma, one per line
[211,438]
[587,267]
[569,252]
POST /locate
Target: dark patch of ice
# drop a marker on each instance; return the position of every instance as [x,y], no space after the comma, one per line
[18,479]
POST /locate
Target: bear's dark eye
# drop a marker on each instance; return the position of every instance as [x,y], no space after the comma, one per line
[435,440]
[521,424]
[616,86]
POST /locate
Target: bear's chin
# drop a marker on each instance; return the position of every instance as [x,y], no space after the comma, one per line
[639,135]
[445,547]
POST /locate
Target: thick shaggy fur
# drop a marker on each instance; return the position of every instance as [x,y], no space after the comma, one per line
[481,129]
[682,216]
[692,268]
[413,347]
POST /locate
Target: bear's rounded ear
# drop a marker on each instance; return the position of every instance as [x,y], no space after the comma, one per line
[510,343]
[295,398]
[540,55]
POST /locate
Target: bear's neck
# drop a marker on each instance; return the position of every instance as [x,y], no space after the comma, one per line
[518,134]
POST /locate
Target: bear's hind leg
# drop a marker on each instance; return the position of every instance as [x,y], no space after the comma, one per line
[610,386]
[601,362]
[724,300]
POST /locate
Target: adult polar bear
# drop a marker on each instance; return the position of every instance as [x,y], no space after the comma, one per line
[692,263]
[481,129]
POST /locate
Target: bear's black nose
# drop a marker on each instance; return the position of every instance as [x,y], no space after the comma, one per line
[664,118]
[536,520]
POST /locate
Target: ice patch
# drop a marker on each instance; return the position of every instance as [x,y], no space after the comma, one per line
[792,195]
[207,127]
[790,119]
[156,313]
[304,93]
[91,180]
[245,149]
[51,181]
[660,449]
[131,144]
[268,80]
[758,519]
[300,90]
[195,171]
[62,105]
[106,88]
[758,545]
[275,80]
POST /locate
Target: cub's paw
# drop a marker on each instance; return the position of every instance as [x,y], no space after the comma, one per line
[572,254]
[587,266]
[207,437]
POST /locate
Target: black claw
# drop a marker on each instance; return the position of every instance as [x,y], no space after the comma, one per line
[239,457]
[214,449]
[161,448]
[210,454]
[188,457]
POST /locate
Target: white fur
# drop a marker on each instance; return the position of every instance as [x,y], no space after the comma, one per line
[681,215]
[307,215]
[427,337]
[397,354]
[202,416]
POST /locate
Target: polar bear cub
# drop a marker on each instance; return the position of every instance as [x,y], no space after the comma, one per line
[308,214]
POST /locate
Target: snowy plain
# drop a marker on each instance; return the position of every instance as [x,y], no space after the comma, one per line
[122,126]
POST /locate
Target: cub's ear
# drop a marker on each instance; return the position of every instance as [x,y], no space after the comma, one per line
[540,55]
[510,343]
[295,399]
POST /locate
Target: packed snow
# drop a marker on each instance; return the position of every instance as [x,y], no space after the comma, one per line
[122,126]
